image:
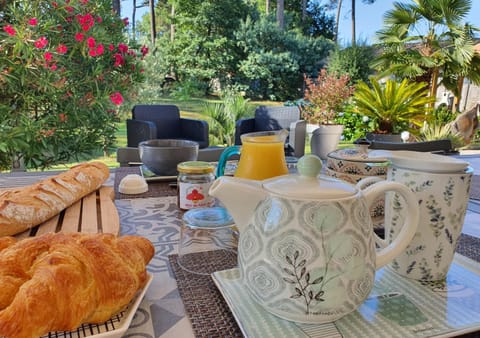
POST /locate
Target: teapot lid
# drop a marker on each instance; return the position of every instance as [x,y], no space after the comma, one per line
[308,183]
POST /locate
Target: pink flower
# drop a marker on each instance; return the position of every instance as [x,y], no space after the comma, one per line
[84,2]
[144,50]
[54,4]
[92,52]
[100,49]
[91,42]
[48,56]
[123,48]
[69,9]
[62,49]
[33,22]
[9,30]
[125,21]
[53,67]
[86,21]
[41,42]
[111,47]
[116,98]
[99,19]
[118,60]
[79,37]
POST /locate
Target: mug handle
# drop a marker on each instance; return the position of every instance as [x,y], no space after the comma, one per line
[409,228]
[222,162]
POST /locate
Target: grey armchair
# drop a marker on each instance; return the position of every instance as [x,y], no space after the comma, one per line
[275,118]
[164,122]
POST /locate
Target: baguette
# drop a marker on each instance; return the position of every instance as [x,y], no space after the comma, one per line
[26,207]
[58,281]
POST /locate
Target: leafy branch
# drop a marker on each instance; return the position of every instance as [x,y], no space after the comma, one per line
[299,276]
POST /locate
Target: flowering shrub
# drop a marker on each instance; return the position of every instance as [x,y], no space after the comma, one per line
[325,97]
[65,69]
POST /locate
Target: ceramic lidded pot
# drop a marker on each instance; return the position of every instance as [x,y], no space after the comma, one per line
[357,162]
[354,164]
[307,247]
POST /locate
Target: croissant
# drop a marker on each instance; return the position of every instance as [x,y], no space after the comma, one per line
[58,281]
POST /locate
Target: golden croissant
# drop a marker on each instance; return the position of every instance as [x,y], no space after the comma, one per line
[56,282]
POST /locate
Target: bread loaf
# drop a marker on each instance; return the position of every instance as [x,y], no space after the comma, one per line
[23,208]
[58,281]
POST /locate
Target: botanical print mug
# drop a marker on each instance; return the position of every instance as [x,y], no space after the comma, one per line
[443,199]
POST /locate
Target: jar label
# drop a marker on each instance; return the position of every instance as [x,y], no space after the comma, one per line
[194,195]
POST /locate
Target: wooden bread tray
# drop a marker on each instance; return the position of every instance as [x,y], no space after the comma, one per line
[94,213]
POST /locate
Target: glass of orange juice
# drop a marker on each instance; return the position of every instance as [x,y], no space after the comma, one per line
[262,155]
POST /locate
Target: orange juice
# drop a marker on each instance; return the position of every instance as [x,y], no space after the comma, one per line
[262,157]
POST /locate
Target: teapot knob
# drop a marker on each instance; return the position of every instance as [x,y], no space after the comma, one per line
[309,165]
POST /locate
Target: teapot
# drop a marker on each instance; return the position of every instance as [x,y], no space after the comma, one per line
[307,247]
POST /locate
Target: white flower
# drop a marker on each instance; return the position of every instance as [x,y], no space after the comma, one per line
[365,119]
[405,135]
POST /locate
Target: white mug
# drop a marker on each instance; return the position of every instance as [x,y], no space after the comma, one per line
[443,200]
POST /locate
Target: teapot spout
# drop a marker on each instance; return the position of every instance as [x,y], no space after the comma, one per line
[240,196]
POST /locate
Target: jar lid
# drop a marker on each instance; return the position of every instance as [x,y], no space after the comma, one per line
[357,155]
[208,218]
[195,167]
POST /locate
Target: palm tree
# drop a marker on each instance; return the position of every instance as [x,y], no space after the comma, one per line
[427,41]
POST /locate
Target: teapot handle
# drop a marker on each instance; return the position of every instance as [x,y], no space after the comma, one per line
[361,185]
[409,228]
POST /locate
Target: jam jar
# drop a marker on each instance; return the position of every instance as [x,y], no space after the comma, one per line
[194,181]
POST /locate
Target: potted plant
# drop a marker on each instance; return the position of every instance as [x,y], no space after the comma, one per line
[393,106]
[325,97]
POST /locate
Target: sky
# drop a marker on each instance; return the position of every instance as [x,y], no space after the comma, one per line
[369,18]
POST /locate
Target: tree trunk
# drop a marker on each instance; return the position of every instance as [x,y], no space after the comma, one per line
[267,7]
[434,84]
[304,10]
[172,25]
[134,17]
[337,20]
[153,31]
[458,94]
[280,14]
[116,6]
[354,35]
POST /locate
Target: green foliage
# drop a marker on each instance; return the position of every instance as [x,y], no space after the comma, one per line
[439,126]
[352,60]
[393,106]
[355,125]
[223,116]
[204,46]
[275,59]
[65,69]
[436,130]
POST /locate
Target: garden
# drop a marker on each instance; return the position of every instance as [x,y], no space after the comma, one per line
[71,70]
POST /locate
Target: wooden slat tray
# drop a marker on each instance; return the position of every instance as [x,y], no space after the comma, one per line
[95,213]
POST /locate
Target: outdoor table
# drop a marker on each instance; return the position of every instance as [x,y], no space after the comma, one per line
[179,304]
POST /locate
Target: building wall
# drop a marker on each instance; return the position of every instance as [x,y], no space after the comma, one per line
[470,96]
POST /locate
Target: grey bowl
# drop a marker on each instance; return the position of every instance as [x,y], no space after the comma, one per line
[163,156]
